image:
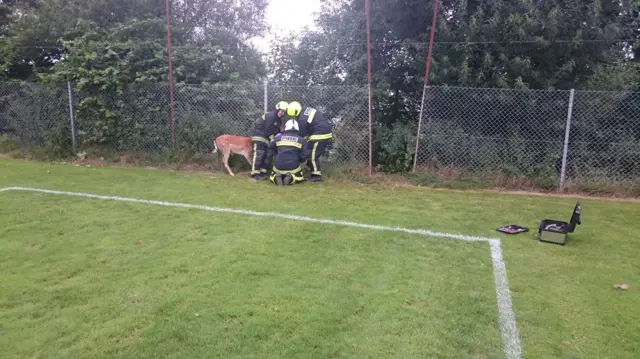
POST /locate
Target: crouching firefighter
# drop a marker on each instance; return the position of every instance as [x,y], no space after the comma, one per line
[315,125]
[264,130]
[289,148]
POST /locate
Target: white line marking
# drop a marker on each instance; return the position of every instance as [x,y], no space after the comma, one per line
[424,232]
[506,316]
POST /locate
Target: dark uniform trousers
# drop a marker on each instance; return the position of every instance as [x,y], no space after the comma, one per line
[264,130]
[288,161]
[296,176]
[314,124]
[260,161]
[315,147]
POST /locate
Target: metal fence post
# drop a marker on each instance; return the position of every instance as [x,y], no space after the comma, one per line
[415,156]
[71,119]
[563,171]
[266,95]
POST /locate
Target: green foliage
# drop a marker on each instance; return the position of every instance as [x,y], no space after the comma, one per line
[115,54]
[108,60]
[32,111]
[58,142]
[394,147]
[138,120]
[496,44]
[116,59]
[37,40]
[7,144]
[207,111]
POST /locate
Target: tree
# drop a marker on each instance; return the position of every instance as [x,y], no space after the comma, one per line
[109,60]
[33,42]
[492,43]
[115,54]
[546,44]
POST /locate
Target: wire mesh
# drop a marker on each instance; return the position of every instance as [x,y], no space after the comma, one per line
[204,112]
[35,114]
[132,120]
[604,141]
[137,119]
[477,130]
[521,133]
[513,132]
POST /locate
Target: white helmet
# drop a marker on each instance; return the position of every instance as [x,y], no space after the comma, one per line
[291,125]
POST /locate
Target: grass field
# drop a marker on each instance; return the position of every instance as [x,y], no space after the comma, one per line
[88,278]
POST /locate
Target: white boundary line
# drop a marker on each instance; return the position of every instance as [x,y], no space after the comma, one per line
[506,317]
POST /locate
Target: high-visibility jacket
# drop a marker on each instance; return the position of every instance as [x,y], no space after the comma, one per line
[266,127]
[289,149]
[314,124]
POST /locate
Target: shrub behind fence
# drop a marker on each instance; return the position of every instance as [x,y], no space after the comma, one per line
[553,135]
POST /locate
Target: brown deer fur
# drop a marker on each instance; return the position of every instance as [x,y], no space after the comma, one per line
[229,144]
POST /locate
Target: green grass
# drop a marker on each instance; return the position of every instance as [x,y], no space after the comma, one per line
[77,282]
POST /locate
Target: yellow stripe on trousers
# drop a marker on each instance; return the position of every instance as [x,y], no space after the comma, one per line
[313,158]
[255,155]
[281,172]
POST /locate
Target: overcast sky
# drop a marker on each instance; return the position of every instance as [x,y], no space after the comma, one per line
[288,16]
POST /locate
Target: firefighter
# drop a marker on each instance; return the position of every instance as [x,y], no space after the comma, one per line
[264,130]
[290,155]
[313,124]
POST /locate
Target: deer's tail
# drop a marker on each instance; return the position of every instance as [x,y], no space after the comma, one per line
[215,146]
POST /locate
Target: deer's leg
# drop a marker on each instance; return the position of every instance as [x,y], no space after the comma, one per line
[247,155]
[225,160]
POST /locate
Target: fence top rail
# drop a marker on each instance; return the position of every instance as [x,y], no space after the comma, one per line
[336,86]
[316,86]
[182,84]
[261,84]
[610,92]
[495,89]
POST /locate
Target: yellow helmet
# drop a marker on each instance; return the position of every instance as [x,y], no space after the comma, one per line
[281,106]
[294,109]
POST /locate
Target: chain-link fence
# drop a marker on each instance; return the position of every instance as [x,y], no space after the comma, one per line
[493,130]
[35,114]
[604,137]
[525,133]
[136,119]
[558,135]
